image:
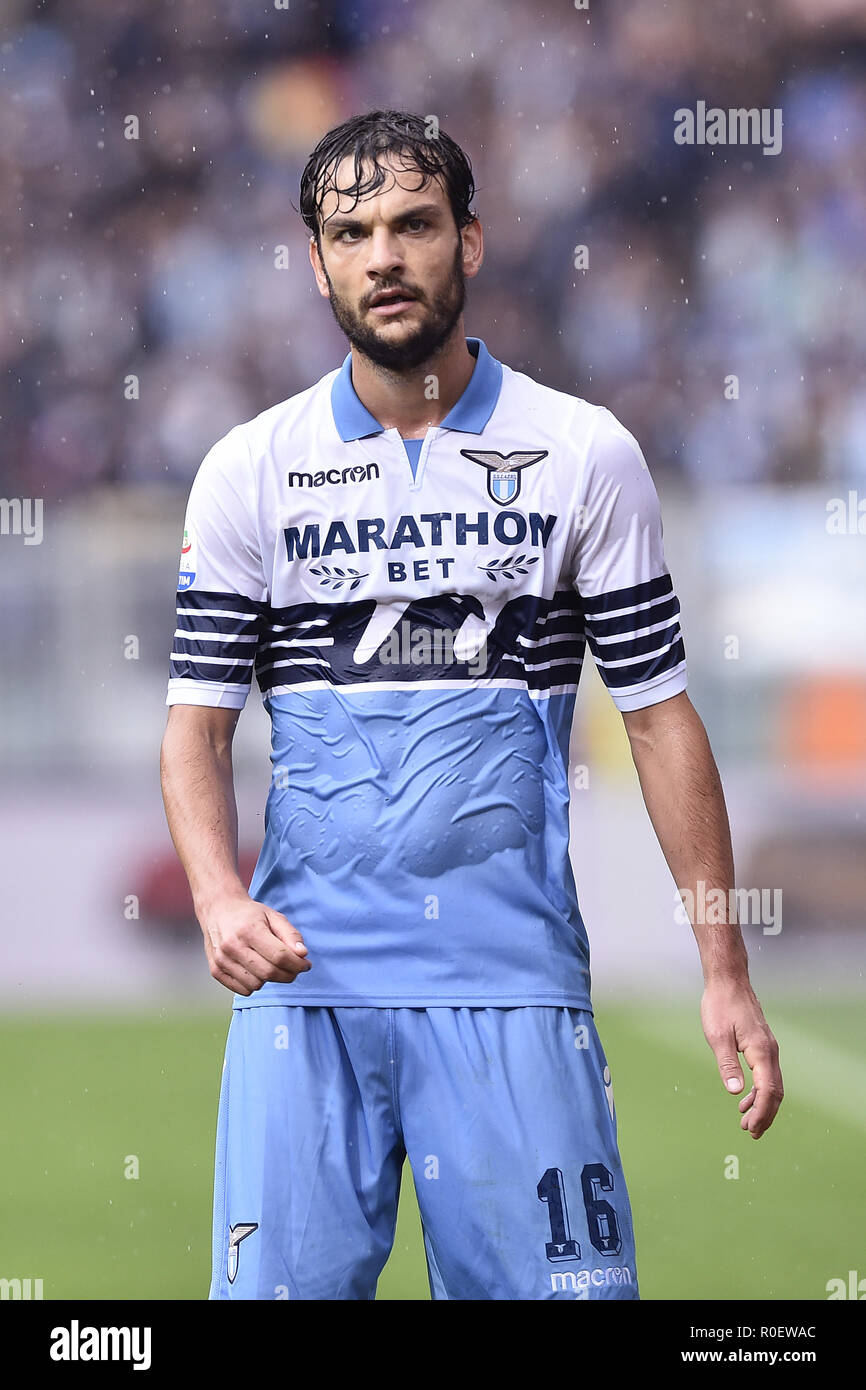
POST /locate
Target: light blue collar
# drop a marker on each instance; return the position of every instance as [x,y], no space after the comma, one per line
[470,413]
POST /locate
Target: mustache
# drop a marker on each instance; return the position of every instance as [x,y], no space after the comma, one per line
[390,289]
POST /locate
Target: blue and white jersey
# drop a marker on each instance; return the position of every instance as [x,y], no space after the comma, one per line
[417,626]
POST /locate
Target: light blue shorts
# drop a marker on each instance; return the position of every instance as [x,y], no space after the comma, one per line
[506,1115]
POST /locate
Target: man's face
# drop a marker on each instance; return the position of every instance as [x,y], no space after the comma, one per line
[394,266]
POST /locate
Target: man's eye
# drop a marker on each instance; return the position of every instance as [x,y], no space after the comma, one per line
[416,223]
[348,232]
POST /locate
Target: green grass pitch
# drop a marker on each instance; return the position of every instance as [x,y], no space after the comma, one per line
[81,1097]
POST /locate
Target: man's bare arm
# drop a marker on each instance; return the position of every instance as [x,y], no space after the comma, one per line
[683,795]
[246,942]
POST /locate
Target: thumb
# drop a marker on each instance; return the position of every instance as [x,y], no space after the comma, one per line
[282,927]
[729,1065]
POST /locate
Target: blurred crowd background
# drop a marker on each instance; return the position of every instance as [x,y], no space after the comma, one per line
[154,258]
[155,255]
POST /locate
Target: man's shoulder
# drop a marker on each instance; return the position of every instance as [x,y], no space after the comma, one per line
[558,409]
[583,433]
[282,427]
[302,409]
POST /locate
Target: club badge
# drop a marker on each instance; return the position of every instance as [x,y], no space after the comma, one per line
[503,471]
[236,1235]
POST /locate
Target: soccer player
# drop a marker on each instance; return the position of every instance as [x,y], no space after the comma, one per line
[413,555]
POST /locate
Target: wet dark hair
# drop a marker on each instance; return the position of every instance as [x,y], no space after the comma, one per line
[365,139]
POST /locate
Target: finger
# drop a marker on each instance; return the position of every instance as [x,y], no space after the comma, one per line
[258,965]
[748,1101]
[763,1058]
[280,956]
[766,1105]
[237,980]
[226,972]
[253,971]
[763,1113]
[727,1057]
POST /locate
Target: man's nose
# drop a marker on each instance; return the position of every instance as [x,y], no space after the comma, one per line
[385,256]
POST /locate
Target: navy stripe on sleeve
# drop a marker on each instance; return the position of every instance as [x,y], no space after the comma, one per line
[634,633]
[216,638]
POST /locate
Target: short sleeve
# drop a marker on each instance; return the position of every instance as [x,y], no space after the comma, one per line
[221,590]
[630,609]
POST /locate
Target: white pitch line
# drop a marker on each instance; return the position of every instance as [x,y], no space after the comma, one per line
[823,1074]
[817,1074]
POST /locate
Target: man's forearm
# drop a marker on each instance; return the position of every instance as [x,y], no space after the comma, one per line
[683,795]
[200,807]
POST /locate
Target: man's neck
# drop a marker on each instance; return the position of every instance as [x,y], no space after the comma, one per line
[404,400]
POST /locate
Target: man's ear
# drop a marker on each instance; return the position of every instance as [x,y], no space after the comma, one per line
[318,271]
[472,238]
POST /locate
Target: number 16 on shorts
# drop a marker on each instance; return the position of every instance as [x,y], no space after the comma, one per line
[600,1216]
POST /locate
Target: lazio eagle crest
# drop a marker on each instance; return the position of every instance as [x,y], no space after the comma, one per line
[503,471]
[236,1235]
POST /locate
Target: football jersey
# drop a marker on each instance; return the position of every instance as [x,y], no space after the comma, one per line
[417,627]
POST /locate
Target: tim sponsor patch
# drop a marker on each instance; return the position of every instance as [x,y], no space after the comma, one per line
[186,575]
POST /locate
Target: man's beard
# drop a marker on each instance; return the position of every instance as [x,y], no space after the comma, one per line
[429,336]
